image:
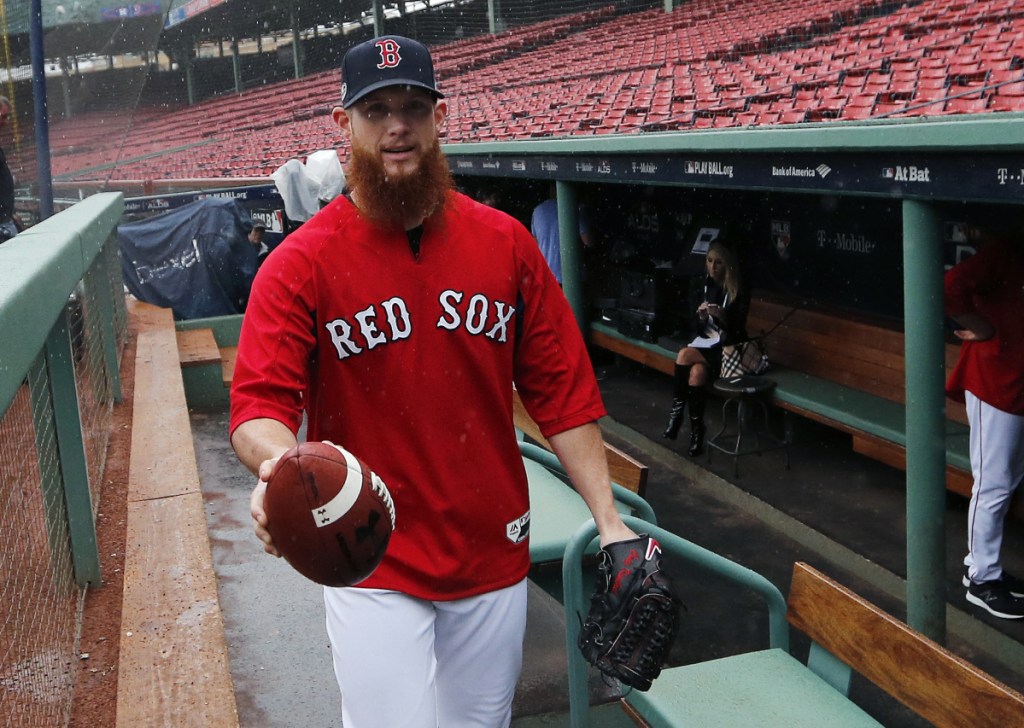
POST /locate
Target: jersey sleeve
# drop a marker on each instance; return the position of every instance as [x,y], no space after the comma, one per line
[552,369]
[276,342]
[976,275]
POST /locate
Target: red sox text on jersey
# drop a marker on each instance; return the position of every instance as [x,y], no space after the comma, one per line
[390,320]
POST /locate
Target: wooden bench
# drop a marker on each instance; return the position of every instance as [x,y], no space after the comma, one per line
[845,373]
[850,375]
[207,349]
[771,687]
[197,347]
[628,472]
[228,354]
[173,662]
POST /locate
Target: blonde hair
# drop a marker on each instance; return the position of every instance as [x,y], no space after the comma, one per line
[732,269]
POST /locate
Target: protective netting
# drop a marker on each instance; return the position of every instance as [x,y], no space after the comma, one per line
[41,601]
[95,396]
[37,587]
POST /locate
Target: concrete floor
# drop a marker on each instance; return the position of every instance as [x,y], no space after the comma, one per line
[273,617]
[833,508]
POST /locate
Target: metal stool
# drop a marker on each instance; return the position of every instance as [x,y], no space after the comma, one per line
[744,399]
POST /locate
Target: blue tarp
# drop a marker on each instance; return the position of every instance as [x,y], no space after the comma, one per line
[196,260]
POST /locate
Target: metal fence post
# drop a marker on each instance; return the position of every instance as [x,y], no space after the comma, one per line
[55,510]
[926,418]
[103,295]
[71,449]
[569,244]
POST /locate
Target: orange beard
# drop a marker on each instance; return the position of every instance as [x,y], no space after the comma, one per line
[391,201]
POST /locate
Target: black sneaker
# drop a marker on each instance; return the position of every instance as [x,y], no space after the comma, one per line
[1014,585]
[996,599]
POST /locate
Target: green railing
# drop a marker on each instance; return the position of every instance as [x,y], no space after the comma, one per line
[63,326]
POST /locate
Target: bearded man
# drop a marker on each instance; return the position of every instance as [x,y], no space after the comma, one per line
[398,320]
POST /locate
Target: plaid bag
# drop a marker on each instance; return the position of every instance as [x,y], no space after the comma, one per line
[746,357]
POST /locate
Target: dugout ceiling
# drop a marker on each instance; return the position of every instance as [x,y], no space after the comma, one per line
[968,158]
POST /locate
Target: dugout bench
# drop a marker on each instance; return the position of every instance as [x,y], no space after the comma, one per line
[171,625]
[845,373]
[770,687]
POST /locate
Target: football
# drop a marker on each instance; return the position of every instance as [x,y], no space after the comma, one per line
[330,516]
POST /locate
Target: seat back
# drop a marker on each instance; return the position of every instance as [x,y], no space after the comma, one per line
[920,673]
[856,352]
[628,472]
[679,555]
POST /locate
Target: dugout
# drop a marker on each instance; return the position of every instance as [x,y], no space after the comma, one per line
[862,217]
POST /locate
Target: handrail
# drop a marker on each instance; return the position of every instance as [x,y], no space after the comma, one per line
[676,549]
[550,461]
[39,270]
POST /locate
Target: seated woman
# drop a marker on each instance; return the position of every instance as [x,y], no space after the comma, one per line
[721,320]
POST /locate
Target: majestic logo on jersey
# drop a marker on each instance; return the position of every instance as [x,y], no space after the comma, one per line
[390,320]
[516,531]
[389,56]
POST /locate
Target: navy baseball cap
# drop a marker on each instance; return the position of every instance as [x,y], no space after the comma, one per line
[390,60]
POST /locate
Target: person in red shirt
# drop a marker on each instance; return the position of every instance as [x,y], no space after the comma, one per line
[984,295]
[397,321]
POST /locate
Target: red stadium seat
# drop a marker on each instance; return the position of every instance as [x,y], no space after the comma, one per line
[888,109]
[1006,103]
[938,82]
[1013,88]
[966,106]
[973,90]
[856,112]
[935,97]
[792,117]
[862,101]
[603,72]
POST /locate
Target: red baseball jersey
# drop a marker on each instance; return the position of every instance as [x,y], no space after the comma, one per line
[408,359]
[990,283]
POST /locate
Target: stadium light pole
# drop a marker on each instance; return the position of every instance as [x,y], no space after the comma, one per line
[293,20]
[39,99]
[493,13]
[378,19]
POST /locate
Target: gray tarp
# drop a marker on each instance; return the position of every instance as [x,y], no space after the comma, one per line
[196,260]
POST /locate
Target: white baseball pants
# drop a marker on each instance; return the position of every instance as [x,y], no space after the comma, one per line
[403,662]
[997,463]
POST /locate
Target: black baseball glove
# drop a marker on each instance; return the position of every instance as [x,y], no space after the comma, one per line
[633,616]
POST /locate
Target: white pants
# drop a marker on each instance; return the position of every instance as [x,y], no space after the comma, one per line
[997,463]
[403,662]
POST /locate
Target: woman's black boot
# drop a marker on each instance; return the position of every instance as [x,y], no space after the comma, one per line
[680,392]
[675,419]
[698,397]
[696,437]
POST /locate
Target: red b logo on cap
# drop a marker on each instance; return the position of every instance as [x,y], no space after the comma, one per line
[389,57]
